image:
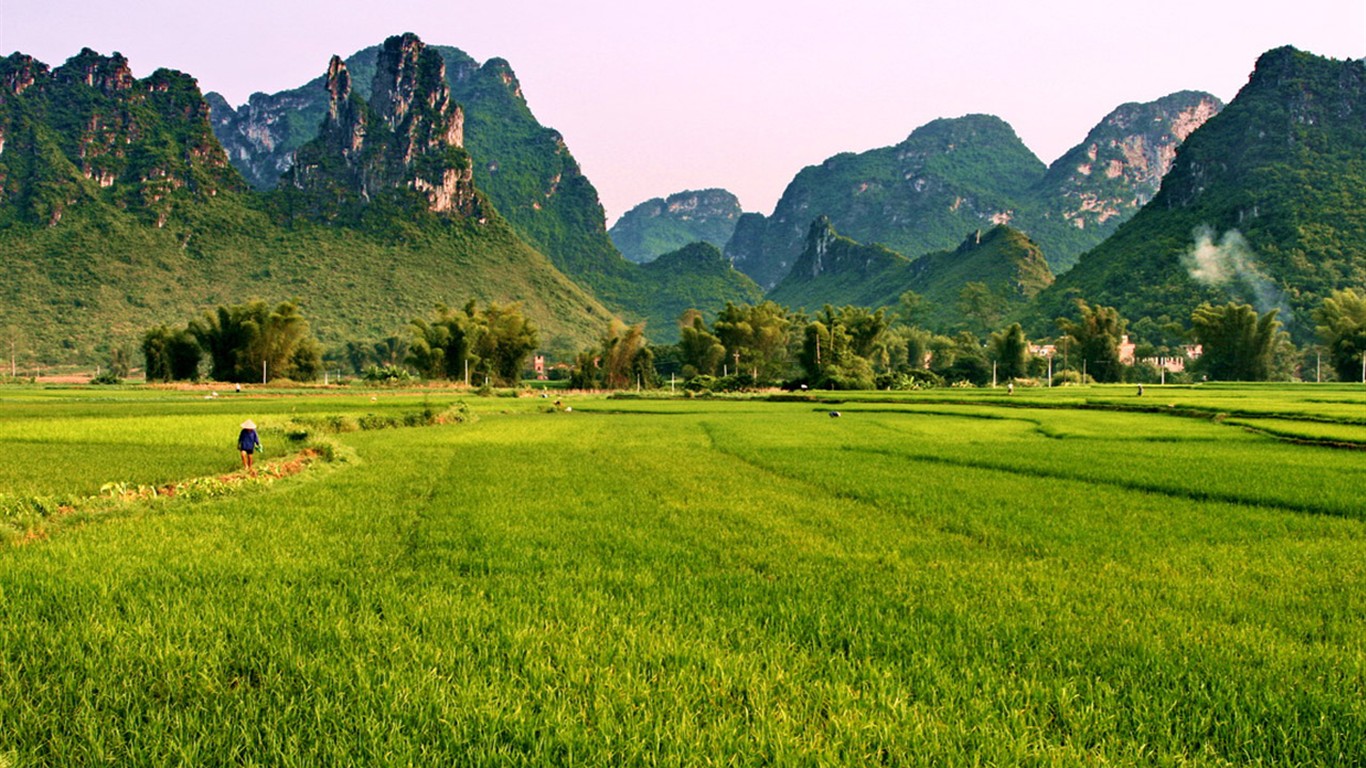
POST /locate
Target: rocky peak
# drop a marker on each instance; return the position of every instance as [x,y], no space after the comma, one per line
[94,133]
[410,93]
[663,225]
[338,86]
[818,241]
[409,135]
[1131,149]
[108,74]
[502,70]
[18,73]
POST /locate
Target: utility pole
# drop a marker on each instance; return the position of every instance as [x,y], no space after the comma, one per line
[263,371]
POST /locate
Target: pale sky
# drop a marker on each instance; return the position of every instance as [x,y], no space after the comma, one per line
[654,98]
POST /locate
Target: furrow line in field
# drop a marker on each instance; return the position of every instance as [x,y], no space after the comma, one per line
[1188,494]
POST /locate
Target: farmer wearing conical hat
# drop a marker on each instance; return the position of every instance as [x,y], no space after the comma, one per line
[248,442]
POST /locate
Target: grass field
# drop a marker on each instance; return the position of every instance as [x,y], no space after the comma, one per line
[951,578]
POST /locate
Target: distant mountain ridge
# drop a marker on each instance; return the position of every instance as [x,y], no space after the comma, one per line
[837,270]
[407,138]
[119,210]
[955,175]
[1265,203]
[665,224]
[88,131]
[525,169]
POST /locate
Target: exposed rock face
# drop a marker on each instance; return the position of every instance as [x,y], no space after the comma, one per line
[89,130]
[523,167]
[1277,179]
[20,73]
[410,136]
[1104,180]
[107,74]
[951,176]
[664,225]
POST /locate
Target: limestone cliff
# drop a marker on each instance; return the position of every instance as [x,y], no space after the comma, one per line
[90,131]
[408,138]
[954,175]
[1104,180]
[662,225]
[1264,204]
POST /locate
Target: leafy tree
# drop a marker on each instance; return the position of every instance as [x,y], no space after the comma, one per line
[1093,341]
[866,328]
[917,345]
[119,362]
[622,359]
[759,334]
[962,359]
[246,339]
[911,309]
[507,338]
[1341,324]
[428,349]
[1010,349]
[979,302]
[1238,345]
[700,351]
[282,344]
[390,350]
[829,354]
[444,347]
[306,361]
[170,355]
[358,355]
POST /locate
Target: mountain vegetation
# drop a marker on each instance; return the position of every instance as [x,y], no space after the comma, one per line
[955,175]
[997,270]
[661,225]
[412,177]
[692,277]
[119,211]
[524,169]
[1264,205]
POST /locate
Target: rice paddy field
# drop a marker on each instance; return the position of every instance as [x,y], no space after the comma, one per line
[1075,576]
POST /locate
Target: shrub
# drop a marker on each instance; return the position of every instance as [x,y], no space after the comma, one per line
[1064,378]
[386,374]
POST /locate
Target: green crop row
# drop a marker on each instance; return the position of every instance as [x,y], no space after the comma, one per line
[958,580]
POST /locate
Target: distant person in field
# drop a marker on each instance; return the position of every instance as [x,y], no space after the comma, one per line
[248,442]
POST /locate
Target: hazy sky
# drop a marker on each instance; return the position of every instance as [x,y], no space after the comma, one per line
[654,98]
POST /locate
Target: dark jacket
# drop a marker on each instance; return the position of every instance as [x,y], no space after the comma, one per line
[248,441]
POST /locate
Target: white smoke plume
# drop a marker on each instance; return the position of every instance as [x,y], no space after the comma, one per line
[1230,263]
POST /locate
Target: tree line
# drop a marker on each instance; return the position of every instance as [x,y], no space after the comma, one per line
[254,342]
[759,345]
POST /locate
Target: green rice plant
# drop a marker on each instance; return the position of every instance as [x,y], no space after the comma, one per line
[946,581]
